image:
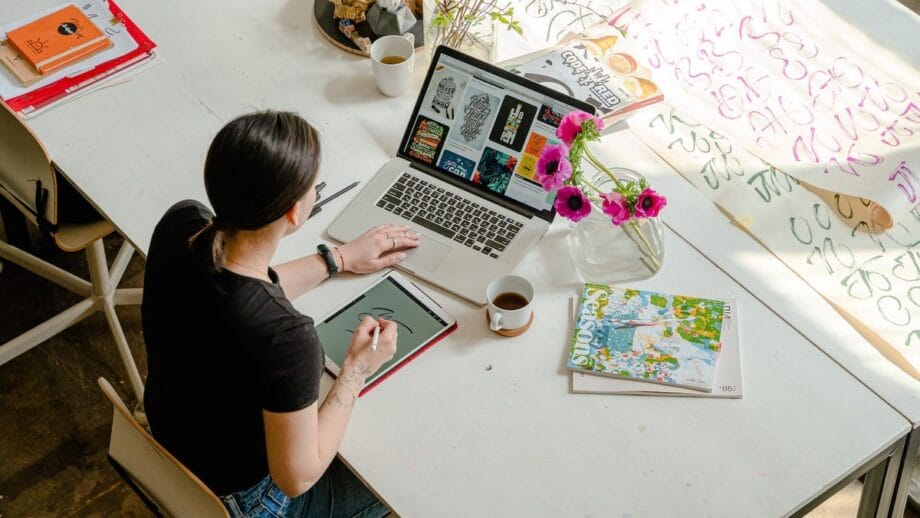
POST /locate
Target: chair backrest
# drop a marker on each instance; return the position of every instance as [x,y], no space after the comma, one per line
[26,170]
[162,479]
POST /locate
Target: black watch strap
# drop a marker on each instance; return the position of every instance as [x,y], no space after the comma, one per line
[327,256]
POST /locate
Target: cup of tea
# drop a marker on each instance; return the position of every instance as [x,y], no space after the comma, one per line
[392,61]
[510,308]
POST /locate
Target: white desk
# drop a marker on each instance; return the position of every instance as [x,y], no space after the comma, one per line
[770,280]
[446,436]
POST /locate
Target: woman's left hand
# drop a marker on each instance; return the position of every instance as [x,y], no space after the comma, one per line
[380,247]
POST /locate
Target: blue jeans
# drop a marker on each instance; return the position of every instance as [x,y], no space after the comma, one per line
[338,493]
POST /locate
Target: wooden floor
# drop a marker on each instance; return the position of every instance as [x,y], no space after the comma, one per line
[54,421]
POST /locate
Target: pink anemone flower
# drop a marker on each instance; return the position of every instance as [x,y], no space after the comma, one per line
[572,204]
[649,203]
[553,168]
[570,126]
[616,207]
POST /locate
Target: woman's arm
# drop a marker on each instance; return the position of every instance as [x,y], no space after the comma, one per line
[299,275]
[378,248]
[301,444]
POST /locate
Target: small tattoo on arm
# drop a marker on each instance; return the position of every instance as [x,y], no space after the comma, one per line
[352,378]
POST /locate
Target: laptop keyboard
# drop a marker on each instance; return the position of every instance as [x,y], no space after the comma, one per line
[452,216]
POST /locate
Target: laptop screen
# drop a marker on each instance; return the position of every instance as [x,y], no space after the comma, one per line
[486,126]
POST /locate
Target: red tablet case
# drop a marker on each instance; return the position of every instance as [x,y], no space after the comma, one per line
[408,359]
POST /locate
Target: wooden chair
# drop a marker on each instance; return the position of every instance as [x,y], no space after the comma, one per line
[166,486]
[34,185]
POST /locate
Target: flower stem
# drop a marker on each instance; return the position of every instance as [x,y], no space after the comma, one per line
[591,185]
[602,167]
[647,251]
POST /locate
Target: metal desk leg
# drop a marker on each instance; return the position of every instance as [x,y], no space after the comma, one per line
[906,469]
[880,485]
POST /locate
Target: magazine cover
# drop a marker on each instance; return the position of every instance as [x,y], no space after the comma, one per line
[595,66]
[648,336]
[727,382]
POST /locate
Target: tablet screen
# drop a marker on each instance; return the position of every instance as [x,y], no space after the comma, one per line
[388,300]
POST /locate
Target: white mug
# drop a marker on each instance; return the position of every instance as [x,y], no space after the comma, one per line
[510,302]
[393,78]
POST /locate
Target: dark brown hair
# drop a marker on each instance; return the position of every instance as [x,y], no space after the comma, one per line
[257,167]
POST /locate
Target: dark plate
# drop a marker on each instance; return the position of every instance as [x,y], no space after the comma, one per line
[322,12]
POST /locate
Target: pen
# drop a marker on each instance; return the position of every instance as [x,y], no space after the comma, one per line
[643,323]
[376,338]
[317,207]
[319,189]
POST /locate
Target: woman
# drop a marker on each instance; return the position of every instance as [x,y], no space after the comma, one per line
[233,369]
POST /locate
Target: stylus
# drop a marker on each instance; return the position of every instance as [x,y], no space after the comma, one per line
[319,205]
[376,338]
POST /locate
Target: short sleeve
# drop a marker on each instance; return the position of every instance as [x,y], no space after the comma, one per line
[291,366]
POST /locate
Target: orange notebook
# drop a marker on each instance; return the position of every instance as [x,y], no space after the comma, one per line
[58,39]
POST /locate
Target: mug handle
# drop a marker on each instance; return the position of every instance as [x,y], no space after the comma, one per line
[495,322]
[411,37]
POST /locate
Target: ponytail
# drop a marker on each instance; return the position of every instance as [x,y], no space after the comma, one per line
[257,167]
[209,247]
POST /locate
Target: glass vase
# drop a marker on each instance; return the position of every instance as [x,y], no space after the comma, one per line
[605,253]
[476,38]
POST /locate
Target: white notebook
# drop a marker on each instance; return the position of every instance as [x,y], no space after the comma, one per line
[727,376]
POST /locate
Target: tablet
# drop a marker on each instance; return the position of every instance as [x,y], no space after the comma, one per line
[421,323]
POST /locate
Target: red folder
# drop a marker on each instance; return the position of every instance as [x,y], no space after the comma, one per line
[48,94]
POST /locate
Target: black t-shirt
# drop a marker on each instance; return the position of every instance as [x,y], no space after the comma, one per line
[220,348]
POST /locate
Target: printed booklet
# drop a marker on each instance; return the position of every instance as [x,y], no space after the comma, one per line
[727,378]
[648,336]
[596,67]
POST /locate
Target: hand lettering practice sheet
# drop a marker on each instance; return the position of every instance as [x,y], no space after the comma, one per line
[869,273]
[794,84]
[544,22]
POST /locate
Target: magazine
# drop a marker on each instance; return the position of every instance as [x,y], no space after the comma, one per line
[595,66]
[648,336]
[727,382]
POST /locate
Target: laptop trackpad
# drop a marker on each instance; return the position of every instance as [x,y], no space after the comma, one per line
[428,256]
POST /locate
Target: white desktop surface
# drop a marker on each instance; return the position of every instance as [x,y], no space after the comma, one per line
[447,435]
[481,425]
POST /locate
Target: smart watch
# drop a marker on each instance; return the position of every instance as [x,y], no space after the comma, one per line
[327,256]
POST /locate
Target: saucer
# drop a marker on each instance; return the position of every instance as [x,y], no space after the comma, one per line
[511,332]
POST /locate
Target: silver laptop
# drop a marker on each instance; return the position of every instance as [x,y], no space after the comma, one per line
[463,176]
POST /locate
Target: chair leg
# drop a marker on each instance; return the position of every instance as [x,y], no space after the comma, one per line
[120,264]
[47,329]
[102,286]
[45,269]
[134,376]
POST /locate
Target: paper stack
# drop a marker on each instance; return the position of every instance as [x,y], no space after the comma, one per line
[127,48]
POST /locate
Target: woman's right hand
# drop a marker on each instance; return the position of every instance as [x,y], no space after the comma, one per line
[380,247]
[360,348]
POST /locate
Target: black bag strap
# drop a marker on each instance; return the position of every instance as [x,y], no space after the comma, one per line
[41,208]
